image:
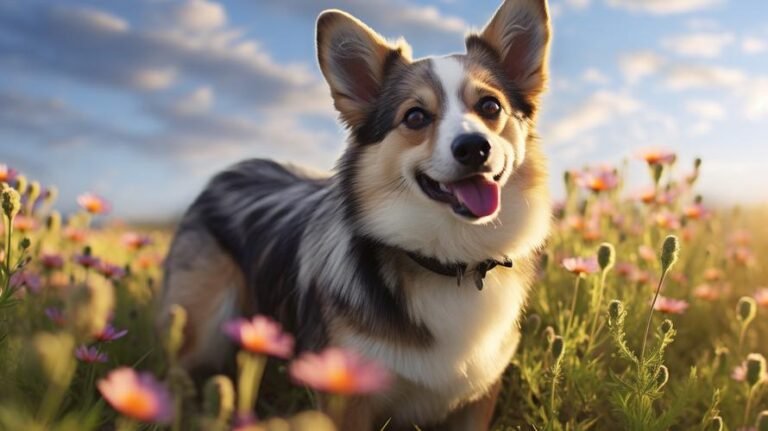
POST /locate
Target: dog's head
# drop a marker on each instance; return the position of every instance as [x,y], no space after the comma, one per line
[442,156]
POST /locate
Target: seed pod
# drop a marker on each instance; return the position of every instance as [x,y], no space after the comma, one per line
[755,368]
[11,202]
[746,309]
[669,252]
[24,243]
[697,163]
[666,326]
[558,347]
[615,308]
[53,222]
[33,192]
[21,184]
[606,256]
[762,421]
[532,324]
[721,359]
[549,334]
[51,193]
[716,424]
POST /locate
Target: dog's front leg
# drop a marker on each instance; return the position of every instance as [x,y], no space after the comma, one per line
[475,416]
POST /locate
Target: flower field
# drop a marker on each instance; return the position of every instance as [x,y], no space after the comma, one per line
[649,313]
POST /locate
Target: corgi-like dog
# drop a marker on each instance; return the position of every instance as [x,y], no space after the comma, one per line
[417,251]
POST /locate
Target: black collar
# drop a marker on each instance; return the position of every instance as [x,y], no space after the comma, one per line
[458,269]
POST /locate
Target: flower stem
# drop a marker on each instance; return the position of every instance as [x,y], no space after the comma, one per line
[573,303]
[251,372]
[748,407]
[598,305]
[650,316]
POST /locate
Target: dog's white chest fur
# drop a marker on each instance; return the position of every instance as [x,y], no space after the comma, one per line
[475,334]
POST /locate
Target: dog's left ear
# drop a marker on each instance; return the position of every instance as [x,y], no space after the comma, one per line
[519,35]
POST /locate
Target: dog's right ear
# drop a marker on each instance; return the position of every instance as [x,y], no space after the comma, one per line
[354,60]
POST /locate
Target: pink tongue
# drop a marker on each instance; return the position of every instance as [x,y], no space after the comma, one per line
[478,194]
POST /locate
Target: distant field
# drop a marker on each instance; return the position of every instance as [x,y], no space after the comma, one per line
[67,284]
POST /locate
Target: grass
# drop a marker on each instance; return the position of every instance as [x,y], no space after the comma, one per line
[593,356]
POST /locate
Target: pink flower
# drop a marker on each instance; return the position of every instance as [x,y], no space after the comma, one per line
[670,306]
[260,335]
[598,179]
[713,274]
[111,271]
[339,371]
[87,261]
[646,253]
[761,296]
[90,355]
[696,212]
[654,156]
[56,316]
[75,235]
[135,241]
[51,261]
[625,269]
[706,292]
[93,203]
[580,265]
[742,255]
[137,395]
[109,333]
[24,223]
[739,372]
[667,220]
[31,281]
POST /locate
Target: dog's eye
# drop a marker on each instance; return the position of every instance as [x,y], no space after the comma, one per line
[488,107]
[416,118]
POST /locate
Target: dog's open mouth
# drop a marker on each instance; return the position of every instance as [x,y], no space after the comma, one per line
[472,197]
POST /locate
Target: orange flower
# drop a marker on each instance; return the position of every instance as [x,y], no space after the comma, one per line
[7,174]
[75,235]
[761,297]
[136,395]
[339,371]
[713,274]
[260,335]
[24,223]
[94,204]
[657,157]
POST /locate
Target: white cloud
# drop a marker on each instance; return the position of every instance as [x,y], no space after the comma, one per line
[686,77]
[593,75]
[578,4]
[637,65]
[154,78]
[755,94]
[706,109]
[598,110]
[198,101]
[753,45]
[704,45]
[664,7]
[200,15]
[700,24]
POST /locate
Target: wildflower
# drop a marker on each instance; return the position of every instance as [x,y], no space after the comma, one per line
[10,201]
[646,253]
[111,271]
[739,372]
[670,306]
[24,223]
[706,292]
[51,261]
[581,266]
[713,274]
[31,281]
[90,355]
[86,259]
[339,371]
[75,235]
[667,220]
[646,196]
[641,277]
[7,174]
[137,395]
[761,297]
[599,180]
[696,212]
[110,333]
[625,269]
[56,316]
[740,238]
[657,157]
[94,204]
[742,256]
[260,335]
[135,241]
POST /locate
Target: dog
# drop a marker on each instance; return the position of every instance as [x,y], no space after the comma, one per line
[418,251]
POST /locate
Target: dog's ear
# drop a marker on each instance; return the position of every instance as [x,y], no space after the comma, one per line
[354,60]
[519,35]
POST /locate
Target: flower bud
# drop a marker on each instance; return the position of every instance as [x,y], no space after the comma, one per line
[21,184]
[669,252]
[532,324]
[762,421]
[657,171]
[11,202]
[716,424]
[53,222]
[558,347]
[721,359]
[666,326]
[568,180]
[615,308]
[606,256]
[219,398]
[33,192]
[662,376]
[178,320]
[755,368]
[746,309]
[24,243]
[697,163]
[51,193]
[549,334]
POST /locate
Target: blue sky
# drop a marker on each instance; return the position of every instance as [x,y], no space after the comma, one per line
[143,100]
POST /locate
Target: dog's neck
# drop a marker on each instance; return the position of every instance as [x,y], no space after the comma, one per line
[459,269]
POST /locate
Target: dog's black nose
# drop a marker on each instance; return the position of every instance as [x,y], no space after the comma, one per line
[471,150]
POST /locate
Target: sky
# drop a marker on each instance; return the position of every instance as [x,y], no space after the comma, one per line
[143,100]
